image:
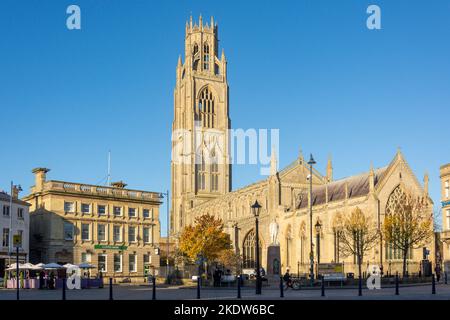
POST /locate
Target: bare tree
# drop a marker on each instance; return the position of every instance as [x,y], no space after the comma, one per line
[408,224]
[357,235]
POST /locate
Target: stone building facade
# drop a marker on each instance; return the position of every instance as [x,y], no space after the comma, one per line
[284,194]
[115,229]
[445,202]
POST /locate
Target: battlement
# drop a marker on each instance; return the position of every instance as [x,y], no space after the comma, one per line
[193,27]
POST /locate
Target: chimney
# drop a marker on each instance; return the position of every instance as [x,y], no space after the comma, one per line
[119,184]
[40,177]
[15,191]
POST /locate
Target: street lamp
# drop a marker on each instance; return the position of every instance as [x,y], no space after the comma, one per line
[311,162]
[318,227]
[256,208]
[161,195]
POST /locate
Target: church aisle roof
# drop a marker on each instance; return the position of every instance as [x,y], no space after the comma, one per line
[357,186]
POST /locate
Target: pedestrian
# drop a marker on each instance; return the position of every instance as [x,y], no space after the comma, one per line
[41,279]
[287,279]
[437,269]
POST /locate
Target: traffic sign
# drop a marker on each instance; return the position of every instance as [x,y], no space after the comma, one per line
[17,241]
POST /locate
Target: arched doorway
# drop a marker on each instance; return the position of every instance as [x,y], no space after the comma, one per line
[249,250]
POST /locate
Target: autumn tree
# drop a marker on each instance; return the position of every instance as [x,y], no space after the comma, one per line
[357,235]
[231,260]
[205,238]
[408,224]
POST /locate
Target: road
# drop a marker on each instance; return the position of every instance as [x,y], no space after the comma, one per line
[120,292]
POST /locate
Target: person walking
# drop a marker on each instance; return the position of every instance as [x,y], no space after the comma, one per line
[437,270]
[287,279]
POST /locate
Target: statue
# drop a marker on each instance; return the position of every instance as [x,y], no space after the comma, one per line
[273,228]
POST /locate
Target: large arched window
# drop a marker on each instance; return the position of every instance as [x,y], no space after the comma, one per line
[205,56]
[249,250]
[395,201]
[205,109]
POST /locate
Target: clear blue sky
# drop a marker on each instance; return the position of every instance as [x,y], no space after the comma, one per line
[310,68]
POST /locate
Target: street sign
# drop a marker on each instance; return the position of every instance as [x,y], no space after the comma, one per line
[17,241]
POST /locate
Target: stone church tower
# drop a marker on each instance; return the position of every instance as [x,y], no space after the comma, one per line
[200,166]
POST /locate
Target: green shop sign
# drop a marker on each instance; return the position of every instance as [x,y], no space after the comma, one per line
[109,247]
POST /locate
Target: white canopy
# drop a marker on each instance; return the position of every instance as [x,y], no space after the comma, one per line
[13,267]
[69,265]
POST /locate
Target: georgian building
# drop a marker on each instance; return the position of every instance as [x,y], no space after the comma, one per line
[201,178]
[14,220]
[445,202]
[114,228]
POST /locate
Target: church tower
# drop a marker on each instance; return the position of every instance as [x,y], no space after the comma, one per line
[200,166]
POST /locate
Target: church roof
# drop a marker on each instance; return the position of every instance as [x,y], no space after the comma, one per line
[357,186]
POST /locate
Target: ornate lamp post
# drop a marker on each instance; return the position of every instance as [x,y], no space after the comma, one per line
[161,195]
[318,227]
[311,162]
[256,208]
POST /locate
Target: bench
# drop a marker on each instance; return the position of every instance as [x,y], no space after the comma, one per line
[334,277]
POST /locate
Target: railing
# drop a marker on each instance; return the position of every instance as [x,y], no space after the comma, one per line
[100,190]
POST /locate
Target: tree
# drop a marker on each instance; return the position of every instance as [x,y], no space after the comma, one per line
[206,239]
[408,224]
[231,260]
[357,235]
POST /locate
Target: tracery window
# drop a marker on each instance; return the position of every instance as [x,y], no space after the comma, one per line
[249,250]
[205,109]
[206,57]
[214,172]
[397,197]
[200,169]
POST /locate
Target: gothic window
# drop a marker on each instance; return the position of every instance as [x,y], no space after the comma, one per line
[337,234]
[216,69]
[249,250]
[206,57]
[205,111]
[214,172]
[201,172]
[397,197]
[195,57]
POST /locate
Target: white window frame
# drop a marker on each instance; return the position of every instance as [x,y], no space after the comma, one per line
[143,213]
[89,208]
[135,234]
[6,210]
[120,210]
[89,231]
[106,262]
[121,262]
[105,232]
[98,211]
[448,218]
[88,257]
[148,240]
[120,233]
[72,210]
[135,212]
[20,213]
[447,189]
[135,262]
[7,239]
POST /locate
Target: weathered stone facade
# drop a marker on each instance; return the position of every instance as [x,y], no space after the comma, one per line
[284,195]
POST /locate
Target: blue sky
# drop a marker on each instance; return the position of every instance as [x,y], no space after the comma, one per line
[310,68]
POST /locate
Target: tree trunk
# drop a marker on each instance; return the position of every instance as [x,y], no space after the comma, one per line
[405,254]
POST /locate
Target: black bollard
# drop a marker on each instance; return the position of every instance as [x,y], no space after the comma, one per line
[359,286]
[110,289]
[396,285]
[281,288]
[154,289]
[433,284]
[64,288]
[323,287]
[198,287]
[445,277]
[239,287]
